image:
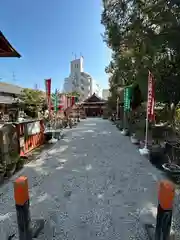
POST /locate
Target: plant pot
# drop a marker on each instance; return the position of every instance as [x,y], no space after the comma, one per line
[172,169]
[1,177]
[48,136]
[2,171]
[11,168]
[156,155]
[20,163]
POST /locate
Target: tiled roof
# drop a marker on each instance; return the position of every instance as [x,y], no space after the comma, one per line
[6,50]
[94,98]
[10,88]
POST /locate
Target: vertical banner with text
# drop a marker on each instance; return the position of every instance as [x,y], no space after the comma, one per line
[64,101]
[72,100]
[68,101]
[151,97]
[56,101]
[127,98]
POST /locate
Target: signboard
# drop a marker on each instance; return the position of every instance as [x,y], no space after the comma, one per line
[33,128]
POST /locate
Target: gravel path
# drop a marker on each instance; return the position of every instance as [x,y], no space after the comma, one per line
[92,185]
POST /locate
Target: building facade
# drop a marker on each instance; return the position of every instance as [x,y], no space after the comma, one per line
[9,95]
[94,106]
[105,94]
[67,85]
[79,80]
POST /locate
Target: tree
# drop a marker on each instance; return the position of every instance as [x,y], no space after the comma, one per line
[144,35]
[33,101]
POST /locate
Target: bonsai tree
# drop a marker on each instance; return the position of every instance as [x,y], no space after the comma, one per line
[33,101]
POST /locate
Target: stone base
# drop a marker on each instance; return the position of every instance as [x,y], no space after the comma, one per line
[144,151]
[53,140]
[124,132]
[134,140]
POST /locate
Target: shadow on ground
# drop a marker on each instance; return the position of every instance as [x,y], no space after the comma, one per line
[92,184]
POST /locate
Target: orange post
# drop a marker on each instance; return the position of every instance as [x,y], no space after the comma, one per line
[21,197]
[21,193]
[166,196]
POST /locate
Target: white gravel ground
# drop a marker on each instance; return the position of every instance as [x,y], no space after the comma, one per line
[92,185]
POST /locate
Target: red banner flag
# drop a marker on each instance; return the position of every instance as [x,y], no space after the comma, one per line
[48,86]
[151,97]
[48,93]
[72,100]
[64,101]
[68,101]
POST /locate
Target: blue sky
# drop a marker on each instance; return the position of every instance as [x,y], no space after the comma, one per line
[47,33]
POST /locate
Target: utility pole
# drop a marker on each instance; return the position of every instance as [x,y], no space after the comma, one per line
[36,86]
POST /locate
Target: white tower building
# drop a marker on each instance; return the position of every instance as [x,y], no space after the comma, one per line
[79,80]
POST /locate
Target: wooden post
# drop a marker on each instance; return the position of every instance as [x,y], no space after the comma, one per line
[21,196]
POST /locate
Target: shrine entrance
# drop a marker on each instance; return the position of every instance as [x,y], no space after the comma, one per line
[94,106]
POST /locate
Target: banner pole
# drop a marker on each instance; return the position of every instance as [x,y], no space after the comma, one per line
[147,125]
[55,111]
[145,150]
[147,116]
[124,120]
[55,124]
[117,108]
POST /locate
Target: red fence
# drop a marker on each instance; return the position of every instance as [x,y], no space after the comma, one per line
[17,139]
